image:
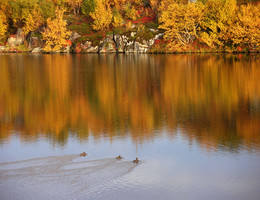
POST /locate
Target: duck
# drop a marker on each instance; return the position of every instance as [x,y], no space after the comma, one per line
[136,160]
[83,154]
[119,157]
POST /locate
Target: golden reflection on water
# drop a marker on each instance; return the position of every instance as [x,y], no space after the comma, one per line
[213,99]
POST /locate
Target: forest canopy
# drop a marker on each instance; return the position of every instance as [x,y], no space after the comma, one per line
[213,24]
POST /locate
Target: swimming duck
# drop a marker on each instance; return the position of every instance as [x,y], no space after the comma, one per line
[83,154]
[136,160]
[119,157]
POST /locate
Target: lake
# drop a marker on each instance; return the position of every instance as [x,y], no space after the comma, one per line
[192,120]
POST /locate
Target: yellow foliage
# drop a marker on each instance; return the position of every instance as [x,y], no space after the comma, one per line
[180,21]
[117,19]
[138,2]
[154,4]
[56,32]
[117,3]
[102,15]
[247,28]
[218,19]
[128,24]
[4,6]
[130,11]
[33,21]
[3,24]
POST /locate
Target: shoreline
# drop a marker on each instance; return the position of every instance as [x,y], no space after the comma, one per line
[133,53]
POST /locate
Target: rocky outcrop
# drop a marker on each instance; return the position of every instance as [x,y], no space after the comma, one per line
[2,49]
[141,47]
[159,36]
[107,45]
[131,42]
[119,43]
[66,49]
[34,42]
[74,36]
[129,47]
[87,47]
[17,39]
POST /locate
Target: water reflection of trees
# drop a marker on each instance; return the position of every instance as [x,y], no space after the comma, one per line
[214,100]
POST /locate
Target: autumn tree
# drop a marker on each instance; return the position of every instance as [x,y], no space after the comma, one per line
[180,20]
[4,6]
[117,18]
[33,21]
[102,15]
[29,14]
[130,11]
[19,10]
[219,17]
[56,33]
[3,24]
[246,30]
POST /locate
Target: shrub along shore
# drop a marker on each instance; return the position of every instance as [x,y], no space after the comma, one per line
[135,26]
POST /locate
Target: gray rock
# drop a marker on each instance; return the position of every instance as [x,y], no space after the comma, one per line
[133,26]
[129,47]
[19,33]
[153,30]
[74,36]
[17,40]
[159,36]
[107,45]
[34,42]
[37,50]
[93,49]
[66,49]
[118,39]
[132,34]
[140,48]
[87,47]
[11,41]
[2,48]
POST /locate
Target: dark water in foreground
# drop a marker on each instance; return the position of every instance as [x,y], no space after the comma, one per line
[193,120]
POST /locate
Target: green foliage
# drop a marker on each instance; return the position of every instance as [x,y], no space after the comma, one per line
[30,14]
[88,6]
[152,25]
[130,11]
[143,34]
[82,29]
[47,9]
[95,39]
[117,18]
[20,9]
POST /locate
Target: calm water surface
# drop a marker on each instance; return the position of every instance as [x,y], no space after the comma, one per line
[193,120]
